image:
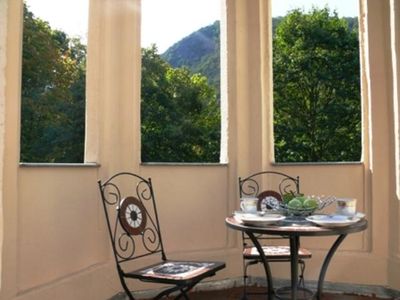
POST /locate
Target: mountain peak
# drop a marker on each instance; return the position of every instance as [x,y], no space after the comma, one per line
[190,50]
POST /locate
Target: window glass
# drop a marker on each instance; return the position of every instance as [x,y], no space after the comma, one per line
[316,78]
[53,81]
[180,88]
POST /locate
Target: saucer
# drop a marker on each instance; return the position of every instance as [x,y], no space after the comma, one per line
[333,220]
[258,220]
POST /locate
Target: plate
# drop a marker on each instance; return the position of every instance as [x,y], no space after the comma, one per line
[333,220]
[258,220]
[358,215]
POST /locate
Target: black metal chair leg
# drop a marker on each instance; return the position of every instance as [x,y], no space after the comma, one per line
[128,293]
[182,294]
[244,297]
[301,276]
[185,290]
[245,277]
[125,287]
[167,292]
[265,263]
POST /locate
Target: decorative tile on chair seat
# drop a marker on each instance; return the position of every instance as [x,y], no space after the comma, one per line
[275,252]
[177,269]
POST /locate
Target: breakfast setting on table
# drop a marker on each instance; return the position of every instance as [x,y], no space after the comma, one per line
[298,208]
[295,215]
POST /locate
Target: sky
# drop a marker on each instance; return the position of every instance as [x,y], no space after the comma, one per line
[344,8]
[71,16]
[162,19]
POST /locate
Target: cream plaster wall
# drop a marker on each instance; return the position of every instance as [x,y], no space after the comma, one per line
[54,238]
[378,84]
[3,55]
[394,225]
[8,163]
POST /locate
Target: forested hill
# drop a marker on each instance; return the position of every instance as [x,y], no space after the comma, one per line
[199,51]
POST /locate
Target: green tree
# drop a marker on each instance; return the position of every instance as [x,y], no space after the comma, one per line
[317,107]
[53,94]
[180,114]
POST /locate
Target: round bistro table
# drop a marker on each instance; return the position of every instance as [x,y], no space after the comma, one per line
[294,230]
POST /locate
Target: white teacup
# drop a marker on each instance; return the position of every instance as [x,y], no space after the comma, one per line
[249,204]
[346,206]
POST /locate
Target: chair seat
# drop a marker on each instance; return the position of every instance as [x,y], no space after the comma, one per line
[177,272]
[274,252]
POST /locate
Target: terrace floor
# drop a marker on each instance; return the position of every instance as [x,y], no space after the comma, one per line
[236,293]
[230,291]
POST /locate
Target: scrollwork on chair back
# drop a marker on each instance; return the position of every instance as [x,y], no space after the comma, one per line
[289,185]
[131,215]
[250,186]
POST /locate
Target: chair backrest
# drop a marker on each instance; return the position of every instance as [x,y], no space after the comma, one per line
[268,184]
[131,215]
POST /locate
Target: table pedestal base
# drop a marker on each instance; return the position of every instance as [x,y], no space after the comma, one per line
[285,293]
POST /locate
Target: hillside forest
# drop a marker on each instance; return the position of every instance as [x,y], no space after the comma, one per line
[316,93]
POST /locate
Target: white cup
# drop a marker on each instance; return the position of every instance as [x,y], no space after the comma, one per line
[249,204]
[346,206]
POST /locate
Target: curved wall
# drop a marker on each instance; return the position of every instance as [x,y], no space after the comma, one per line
[54,238]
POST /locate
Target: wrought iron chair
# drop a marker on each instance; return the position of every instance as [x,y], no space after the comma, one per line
[277,185]
[134,229]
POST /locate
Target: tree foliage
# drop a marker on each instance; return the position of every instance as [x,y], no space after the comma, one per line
[317,107]
[180,114]
[53,94]
[317,110]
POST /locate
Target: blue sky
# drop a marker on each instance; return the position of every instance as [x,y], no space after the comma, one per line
[162,19]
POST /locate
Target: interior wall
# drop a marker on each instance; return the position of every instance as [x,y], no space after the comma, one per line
[53,232]
[55,242]
[378,76]
[9,186]
[394,224]
[3,55]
